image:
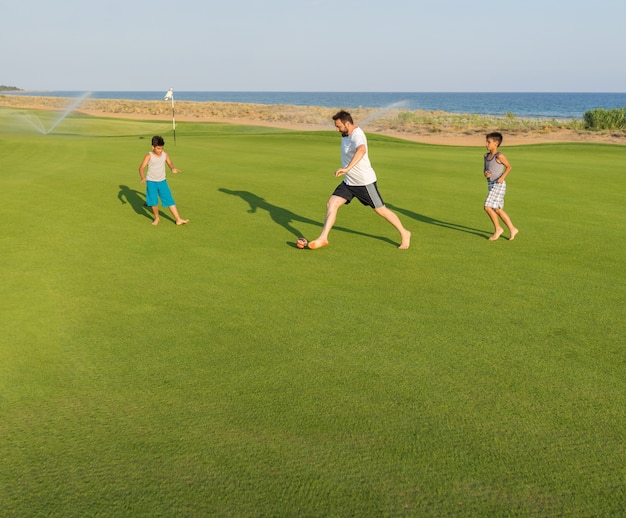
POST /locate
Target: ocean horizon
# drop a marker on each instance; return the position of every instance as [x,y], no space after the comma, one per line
[550,105]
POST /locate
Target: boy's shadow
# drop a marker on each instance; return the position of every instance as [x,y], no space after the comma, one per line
[431,221]
[285,217]
[137,200]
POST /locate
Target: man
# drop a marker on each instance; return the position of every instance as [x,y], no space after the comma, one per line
[359,181]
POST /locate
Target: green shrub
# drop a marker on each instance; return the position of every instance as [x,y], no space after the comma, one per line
[601,119]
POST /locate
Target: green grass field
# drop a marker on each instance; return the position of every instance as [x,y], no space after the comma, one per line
[214,369]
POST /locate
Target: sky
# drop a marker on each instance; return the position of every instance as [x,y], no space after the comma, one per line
[314,45]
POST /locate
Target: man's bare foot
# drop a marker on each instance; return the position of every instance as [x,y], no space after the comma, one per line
[513,234]
[318,243]
[496,234]
[156,222]
[182,221]
[406,241]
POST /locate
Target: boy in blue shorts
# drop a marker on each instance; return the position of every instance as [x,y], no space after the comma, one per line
[496,169]
[156,184]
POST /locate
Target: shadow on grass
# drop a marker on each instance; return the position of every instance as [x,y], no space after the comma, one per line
[137,200]
[445,224]
[285,218]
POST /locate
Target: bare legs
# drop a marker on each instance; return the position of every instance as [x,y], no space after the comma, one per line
[334,202]
[494,214]
[332,207]
[179,220]
[173,210]
[395,221]
[155,211]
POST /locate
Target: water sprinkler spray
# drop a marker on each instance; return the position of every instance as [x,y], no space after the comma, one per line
[399,105]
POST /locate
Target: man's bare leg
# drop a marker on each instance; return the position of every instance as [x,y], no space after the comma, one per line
[332,207]
[392,218]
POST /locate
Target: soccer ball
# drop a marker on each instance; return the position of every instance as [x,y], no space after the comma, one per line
[302,242]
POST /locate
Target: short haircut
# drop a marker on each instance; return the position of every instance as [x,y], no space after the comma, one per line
[343,116]
[157,140]
[495,135]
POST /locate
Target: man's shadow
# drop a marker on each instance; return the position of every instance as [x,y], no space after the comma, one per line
[285,217]
[432,221]
[137,200]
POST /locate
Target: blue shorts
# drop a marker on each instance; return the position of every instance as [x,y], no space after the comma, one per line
[367,194]
[156,190]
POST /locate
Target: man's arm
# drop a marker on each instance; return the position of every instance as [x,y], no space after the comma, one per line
[359,153]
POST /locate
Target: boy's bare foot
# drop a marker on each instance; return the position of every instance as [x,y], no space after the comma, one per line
[496,234]
[513,234]
[406,241]
[182,221]
[318,243]
[156,222]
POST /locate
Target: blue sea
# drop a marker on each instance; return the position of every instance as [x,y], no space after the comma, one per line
[523,104]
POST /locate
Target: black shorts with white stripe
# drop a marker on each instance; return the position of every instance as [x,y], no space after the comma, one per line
[366,194]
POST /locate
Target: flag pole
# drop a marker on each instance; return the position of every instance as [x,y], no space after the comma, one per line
[169,96]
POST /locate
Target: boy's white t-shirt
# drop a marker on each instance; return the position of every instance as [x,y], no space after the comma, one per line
[362,173]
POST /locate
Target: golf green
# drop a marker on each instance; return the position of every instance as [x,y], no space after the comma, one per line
[214,369]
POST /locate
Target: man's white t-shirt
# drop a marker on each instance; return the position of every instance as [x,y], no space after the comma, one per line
[362,173]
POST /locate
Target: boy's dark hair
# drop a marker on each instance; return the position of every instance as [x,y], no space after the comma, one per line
[343,116]
[157,140]
[495,135]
